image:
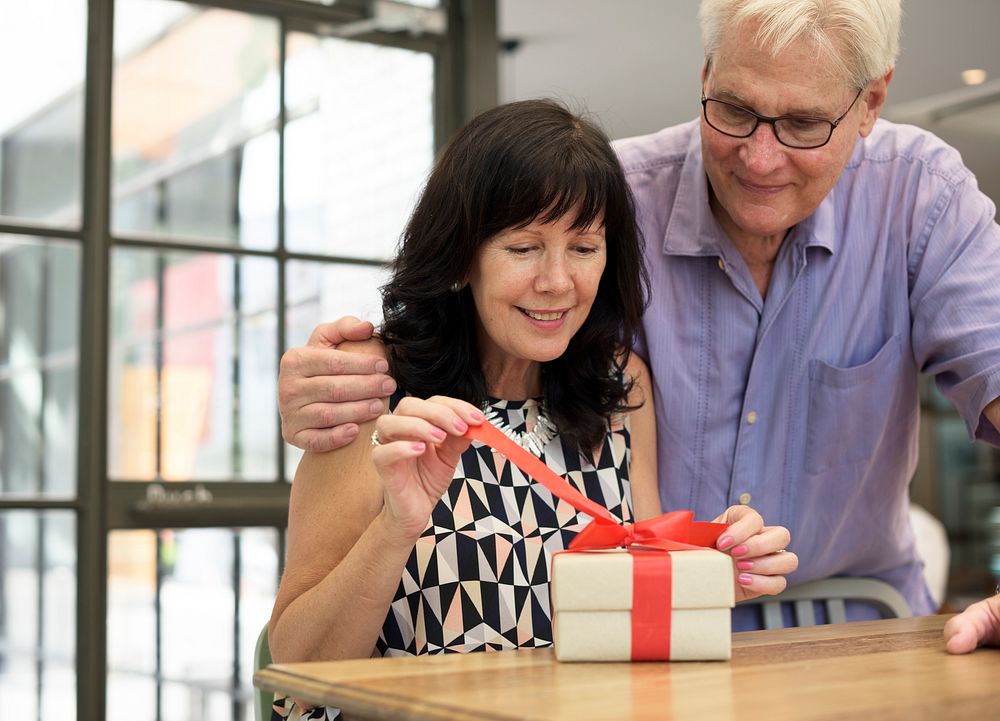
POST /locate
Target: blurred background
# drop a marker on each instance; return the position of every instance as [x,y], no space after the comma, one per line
[186,188]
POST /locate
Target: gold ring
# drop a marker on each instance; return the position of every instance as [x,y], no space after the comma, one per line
[375,441]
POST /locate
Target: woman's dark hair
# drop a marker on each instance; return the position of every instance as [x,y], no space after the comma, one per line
[512,165]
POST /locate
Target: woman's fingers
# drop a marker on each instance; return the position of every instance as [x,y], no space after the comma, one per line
[439,422]
[759,552]
[390,429]
[764,575]
[385,455]
[774,564]
[448,414]
[743,523]
[753,585]
[771,539]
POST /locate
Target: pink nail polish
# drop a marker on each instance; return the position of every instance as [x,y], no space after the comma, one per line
[418,446]
[439,434]
[744,565]
[725,542]
[477,416]
[744,579]
[460,425]
[740,550]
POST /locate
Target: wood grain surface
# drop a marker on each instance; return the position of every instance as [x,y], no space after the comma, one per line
[894,669]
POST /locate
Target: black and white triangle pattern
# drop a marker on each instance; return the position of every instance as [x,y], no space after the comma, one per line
[478,577]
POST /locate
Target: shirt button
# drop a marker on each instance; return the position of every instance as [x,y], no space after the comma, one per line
[722,264]
[745,498]
[752,417]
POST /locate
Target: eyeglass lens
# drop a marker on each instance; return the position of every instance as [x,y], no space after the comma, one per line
[795,132]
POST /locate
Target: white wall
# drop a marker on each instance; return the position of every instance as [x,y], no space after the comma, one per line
[635,63]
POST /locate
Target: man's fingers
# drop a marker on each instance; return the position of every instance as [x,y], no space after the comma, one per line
[334,389]
[329,335]
[353,329]
[324,440]
[961,635]
[978,624]
[325,416]
[310,362]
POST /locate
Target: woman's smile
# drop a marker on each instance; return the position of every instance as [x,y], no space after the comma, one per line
[544,319]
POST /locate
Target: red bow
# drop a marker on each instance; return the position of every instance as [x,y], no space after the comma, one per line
[674,531]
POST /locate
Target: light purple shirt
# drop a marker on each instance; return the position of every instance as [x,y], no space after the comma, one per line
[805,404]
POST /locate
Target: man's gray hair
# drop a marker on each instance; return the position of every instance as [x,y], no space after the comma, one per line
[859,36]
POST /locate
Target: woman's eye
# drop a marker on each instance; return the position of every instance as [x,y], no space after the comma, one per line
[519,250]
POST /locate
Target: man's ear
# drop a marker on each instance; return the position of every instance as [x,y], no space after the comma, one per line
[874,99]
[704,71]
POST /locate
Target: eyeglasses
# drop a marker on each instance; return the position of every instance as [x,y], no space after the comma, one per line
[793,131]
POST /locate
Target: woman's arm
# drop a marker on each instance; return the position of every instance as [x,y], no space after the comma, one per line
[344,561]
[354,517]
[642,426]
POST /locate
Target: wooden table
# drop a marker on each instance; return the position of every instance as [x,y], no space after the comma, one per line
[893,669]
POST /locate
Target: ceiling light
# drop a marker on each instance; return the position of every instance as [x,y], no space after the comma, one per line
[974,76]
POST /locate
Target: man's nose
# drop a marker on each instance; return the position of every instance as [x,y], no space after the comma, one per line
[761,152]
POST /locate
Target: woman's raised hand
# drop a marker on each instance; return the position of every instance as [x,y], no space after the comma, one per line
[761,561]
[418,448]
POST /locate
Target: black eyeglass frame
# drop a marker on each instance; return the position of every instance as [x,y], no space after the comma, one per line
[758,119]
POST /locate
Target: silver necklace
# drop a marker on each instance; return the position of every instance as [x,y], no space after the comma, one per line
[533,441]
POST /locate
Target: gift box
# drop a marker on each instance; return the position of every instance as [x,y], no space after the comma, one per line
[642,604]
[646,591]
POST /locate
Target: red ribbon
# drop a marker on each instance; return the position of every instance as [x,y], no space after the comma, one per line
[652,572]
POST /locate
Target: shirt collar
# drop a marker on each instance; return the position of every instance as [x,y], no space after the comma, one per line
[693,230]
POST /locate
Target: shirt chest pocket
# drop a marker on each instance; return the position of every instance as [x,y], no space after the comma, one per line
[849,408]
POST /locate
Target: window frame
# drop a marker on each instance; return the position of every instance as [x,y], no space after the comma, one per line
[465,83]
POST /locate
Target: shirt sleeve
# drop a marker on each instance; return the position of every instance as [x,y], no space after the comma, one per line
[954,272]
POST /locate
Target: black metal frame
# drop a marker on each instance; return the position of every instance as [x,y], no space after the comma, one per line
[465,83]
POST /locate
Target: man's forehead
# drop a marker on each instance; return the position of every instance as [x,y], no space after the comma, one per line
[787,105]
[754,79]
[801,59]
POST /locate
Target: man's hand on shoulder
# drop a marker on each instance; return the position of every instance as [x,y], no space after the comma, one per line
[324,391]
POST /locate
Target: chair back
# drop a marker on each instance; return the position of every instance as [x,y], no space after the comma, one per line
[832,593]
[931,540]
[262,700]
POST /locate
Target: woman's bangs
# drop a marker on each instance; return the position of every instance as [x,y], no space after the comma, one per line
[582,193]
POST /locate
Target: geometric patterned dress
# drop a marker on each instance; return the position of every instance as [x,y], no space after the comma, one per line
[478,576]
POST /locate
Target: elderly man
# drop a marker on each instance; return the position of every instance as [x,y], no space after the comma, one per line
[808,261]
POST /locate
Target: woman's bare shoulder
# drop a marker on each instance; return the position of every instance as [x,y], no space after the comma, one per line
[636,368]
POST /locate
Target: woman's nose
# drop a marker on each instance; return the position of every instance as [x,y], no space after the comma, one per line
[554,275]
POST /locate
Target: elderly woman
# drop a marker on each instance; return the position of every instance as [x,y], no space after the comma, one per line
[515,297]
